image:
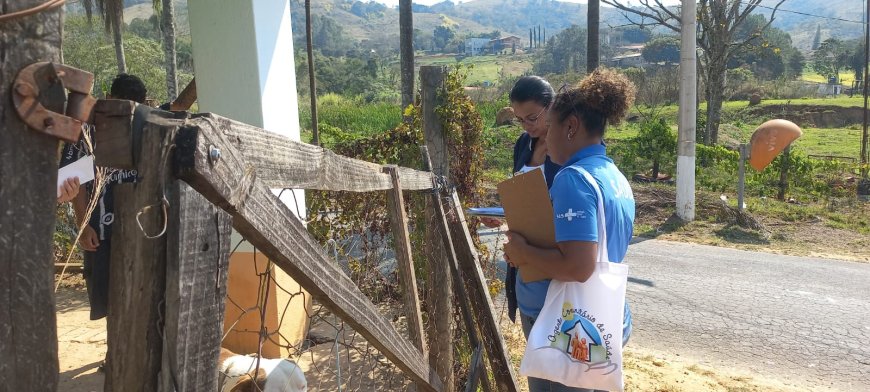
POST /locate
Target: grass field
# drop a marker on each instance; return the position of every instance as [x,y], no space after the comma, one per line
[484,68]
[846,77]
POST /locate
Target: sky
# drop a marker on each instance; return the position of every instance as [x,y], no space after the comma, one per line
[393,3]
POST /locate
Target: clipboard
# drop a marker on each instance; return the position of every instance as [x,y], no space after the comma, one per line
[528,211]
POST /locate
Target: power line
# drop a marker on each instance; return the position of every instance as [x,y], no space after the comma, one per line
[808,14]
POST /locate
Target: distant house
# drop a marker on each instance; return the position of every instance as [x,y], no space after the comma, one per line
[508,42]
[628,56]
[628,60]
[476,46]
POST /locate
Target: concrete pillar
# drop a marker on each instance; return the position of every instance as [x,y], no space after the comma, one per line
[244,66]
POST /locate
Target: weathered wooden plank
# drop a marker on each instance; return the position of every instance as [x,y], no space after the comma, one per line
[405,261]
[28,180]
[196,277]
[284,163]
[137,278]
[441,226]
[480,301]
[231,183]
[114,149]
[186,99]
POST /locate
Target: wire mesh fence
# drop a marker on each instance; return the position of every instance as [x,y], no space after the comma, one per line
[285,322]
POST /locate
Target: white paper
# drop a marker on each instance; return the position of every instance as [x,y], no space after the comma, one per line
[82,168]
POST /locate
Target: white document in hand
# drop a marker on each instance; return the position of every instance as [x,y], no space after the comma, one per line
[82,168]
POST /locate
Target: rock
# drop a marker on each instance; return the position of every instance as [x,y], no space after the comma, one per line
[505,116]
[754,99]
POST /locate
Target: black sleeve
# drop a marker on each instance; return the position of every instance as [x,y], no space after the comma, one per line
[520,156]
[71,153]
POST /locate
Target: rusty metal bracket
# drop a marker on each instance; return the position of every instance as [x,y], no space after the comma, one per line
[41,100]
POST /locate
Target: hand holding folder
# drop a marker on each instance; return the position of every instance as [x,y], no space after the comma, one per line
[529,212]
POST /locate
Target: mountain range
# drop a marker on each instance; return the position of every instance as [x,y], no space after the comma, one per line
[369,20]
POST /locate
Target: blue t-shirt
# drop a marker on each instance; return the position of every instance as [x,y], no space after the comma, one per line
[575,204]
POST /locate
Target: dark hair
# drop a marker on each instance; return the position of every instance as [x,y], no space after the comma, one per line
[532,88]
[126,86]
[602,96]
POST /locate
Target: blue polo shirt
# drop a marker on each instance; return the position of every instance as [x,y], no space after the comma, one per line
[575,205]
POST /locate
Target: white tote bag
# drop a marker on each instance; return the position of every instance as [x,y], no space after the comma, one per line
[577,338]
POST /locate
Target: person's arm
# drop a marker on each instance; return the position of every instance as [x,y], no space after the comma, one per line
[80,206]
[576,228]
[89,240]
[569,261]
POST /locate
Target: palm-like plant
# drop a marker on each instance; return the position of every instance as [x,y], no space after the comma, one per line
[166,9]
[112,12]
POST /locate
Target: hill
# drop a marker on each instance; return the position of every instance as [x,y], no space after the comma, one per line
[832,17]
[375,22]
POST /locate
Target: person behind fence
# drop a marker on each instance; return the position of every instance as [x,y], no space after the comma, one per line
[96,238]
[530,97]
[577,120]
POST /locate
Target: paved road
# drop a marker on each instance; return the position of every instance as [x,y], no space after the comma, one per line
[799,320]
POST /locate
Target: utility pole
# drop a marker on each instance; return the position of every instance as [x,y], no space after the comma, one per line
[864,135]
[688,113]
[406,46]
[592,19]
[312,79]
[28,201]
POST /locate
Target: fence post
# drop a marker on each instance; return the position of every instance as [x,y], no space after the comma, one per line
[439,290]
[741,175]
[137,279]
[479,299]
[196,288]
[28,175]
[783,173]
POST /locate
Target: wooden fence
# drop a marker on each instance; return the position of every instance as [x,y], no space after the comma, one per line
[202,174]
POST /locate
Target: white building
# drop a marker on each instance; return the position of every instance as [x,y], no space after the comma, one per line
[475,46]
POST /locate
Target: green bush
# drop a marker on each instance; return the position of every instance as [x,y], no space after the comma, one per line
[652,151]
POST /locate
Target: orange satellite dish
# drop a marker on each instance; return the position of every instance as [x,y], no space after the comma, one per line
[769,140]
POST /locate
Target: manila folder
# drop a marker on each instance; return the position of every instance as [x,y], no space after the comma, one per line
[529,212]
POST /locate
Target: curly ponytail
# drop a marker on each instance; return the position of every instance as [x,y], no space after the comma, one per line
[603,96]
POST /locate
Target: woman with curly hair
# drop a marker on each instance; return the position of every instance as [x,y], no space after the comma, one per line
[577,120]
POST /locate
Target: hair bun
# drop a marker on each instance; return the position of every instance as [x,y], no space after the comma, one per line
[607,92]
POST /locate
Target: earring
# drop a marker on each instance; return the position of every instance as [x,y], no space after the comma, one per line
[570,134]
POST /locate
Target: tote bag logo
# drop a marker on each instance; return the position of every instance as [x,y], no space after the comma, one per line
[577,335]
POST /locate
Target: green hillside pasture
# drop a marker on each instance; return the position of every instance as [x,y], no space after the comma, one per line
[483,68]
[352,115]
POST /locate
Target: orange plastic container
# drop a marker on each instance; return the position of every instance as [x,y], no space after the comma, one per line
[769,140]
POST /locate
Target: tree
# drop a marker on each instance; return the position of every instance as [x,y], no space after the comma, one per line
[856,59]
[112,12]
[831,57]
[817,39]
[88,48]
[406,52]
[662,50]
[796,64]
[657,142]
[443,35]
[768,56]
[718,21]
[167,25]
[566,52]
